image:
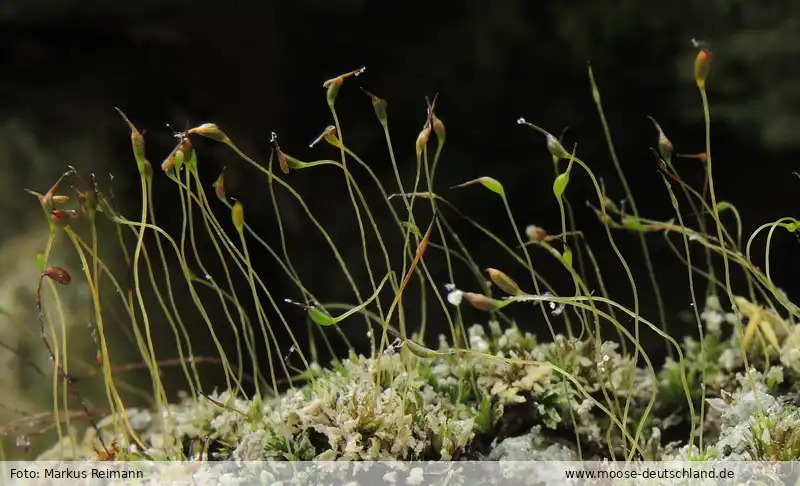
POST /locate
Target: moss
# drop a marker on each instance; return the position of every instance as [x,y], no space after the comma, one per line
[485,389]
[455,407]
[382,409]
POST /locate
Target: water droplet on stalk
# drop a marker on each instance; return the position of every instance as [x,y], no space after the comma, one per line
[24,442]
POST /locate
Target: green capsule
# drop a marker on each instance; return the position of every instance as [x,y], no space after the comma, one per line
[320,317]
[137,143]
[379,105]
[566,257]
[633,223]
[560,184]
[439,130]
[333,91]
[723,206]
[593,83]
[420,350]
[553,145]
[487,182]
[40,262]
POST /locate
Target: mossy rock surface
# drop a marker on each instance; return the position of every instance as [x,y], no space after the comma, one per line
[457,407]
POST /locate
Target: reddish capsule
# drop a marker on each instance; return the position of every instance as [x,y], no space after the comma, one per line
[58,275]
[333,85]
[702,157]
[219,187]
[63,216]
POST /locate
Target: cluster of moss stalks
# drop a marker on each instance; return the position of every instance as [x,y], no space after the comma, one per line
[724,393]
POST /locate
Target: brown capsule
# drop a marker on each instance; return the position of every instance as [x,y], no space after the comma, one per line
[58,275]
[481,302]
[284,165]
[282,162]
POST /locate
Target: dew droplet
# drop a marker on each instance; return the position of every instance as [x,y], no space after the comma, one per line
[24,442]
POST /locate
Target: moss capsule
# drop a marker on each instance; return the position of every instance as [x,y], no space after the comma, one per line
[210,130]
[219,187]
[482,302]
[237,215]
[58,275]
[702,65]
[503,282]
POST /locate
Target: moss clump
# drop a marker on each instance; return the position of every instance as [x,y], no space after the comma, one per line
[366,409]
[400,407]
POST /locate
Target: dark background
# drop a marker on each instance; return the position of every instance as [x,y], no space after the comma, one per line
[252,67]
